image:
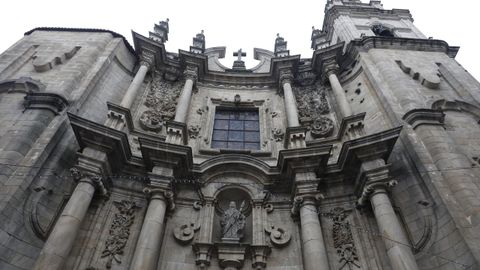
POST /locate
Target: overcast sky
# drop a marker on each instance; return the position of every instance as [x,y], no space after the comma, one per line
[242,24]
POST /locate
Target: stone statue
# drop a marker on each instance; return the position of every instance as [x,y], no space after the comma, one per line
[233,222]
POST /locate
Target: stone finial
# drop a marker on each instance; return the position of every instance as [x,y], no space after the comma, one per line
[198,44]
[160,31]
[280,48]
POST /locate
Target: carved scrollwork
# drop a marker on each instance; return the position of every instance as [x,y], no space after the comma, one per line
[161,103]
[193,131]
[321,127]
[197,205]
[278,134]
[185,232]
[119,232]
[278,236]
[269,207]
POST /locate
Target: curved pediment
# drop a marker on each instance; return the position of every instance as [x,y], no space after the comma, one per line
[237,163]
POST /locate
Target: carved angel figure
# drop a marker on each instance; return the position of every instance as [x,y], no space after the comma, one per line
[233,222]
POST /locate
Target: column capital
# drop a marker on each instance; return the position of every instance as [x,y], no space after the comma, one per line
[161,194]
[302,200]
[191,73]
[286,76]
[147,59]
[95,180]
[331,67]
[374,188]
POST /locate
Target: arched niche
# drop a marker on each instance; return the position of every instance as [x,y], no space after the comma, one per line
[233,199]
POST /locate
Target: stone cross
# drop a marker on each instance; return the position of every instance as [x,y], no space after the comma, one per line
[239,54]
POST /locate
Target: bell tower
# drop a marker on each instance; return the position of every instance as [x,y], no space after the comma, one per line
[346,20]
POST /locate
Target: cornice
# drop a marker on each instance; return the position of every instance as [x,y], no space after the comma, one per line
[88,30]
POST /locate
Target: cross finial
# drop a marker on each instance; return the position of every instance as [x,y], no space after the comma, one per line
[239,54]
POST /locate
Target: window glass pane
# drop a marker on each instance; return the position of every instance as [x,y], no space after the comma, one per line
[251,115]
[236,136]
[252,146]
[251,125]
[236,129]
[221,124]
[236,125]
[218,144]
[237,115]
[222,115]
[235,145]
[220,135]
[252,136]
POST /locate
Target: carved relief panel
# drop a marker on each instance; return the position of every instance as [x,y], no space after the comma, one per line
[112,229]
[159,104]
[314,110]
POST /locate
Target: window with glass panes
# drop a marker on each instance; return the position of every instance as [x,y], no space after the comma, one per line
[236,129]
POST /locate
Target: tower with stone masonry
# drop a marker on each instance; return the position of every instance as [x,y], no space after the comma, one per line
[362,156]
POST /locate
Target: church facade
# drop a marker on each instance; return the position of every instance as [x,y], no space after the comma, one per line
[363,156]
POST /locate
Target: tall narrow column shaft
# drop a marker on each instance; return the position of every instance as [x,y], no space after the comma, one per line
[399,253]
[339,93]
[290,104]
[61,239]
[148,246]
[132,90]
[184,101]
[313,246]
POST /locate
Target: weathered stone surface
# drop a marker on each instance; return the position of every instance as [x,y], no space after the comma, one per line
[385,73]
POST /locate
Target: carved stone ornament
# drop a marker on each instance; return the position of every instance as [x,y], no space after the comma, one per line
[321,127]
[311,101]
[185,232]
[278,236]
[286,76]
[233,222]
[193,131]
[343,239]
[191,73]
[119,232]
[45,61]
[278,134]
[161,102]
[147,59]
[428,77]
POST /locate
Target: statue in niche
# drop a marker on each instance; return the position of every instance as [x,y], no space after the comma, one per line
[233,222]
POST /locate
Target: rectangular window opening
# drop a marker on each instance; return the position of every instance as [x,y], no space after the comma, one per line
[236,129]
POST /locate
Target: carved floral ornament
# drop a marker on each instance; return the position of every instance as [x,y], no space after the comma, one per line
[343,239]
[119,232]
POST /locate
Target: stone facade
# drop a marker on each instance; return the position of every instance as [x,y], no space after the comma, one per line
[364,156]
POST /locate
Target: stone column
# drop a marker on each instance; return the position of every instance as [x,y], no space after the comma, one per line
[61,239]
[331,71]
[183,105]
[286,78]
[146,62]
[399,253]
[313,245]
[375,174]
[148,246]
